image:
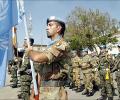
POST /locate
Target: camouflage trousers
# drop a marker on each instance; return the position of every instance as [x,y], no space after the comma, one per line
[96,77]
[87,78]
[106,84]
[118,81]
[25,81]
[76,76]
[14,74]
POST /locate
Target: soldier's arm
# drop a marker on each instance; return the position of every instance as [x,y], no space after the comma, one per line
[47,56]
[37,56]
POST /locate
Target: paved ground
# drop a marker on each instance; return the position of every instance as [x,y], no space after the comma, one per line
[8,93]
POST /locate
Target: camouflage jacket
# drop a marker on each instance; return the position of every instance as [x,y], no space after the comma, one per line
[58,55]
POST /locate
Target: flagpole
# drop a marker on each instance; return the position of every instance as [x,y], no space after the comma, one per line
[31,62]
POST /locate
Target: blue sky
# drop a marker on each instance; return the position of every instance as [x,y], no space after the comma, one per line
[42,9]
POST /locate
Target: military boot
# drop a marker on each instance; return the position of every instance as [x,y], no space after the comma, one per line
[80,89]
[20,96]
[72,85]
[85,92]
[14,86]
[74,88]
[90,93]
[102,98]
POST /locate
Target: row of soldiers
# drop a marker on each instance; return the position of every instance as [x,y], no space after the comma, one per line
[20,66]
[87,73]
[92,72]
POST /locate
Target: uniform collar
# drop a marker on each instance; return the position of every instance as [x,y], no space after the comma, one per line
[55,40]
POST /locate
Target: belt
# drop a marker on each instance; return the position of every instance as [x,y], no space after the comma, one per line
[52,83]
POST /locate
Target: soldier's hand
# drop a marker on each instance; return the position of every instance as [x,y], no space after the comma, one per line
[29,49]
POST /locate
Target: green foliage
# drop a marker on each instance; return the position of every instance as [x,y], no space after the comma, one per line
[88,27]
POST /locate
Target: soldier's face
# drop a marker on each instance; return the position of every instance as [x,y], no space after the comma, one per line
[53,28]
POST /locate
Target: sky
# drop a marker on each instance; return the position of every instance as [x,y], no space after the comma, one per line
[42,9]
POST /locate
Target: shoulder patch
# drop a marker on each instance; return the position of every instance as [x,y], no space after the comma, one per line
[61,46]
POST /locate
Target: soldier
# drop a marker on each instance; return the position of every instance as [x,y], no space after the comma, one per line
[105,76]
[87,74]
[52,61]
[14,69]
[117,69]
[25,74]
[96,78]
[76,72]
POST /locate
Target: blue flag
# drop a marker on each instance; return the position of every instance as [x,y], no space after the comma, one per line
[3,64]
[8,19]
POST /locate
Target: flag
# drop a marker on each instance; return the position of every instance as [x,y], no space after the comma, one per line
[17,14]
[3,64]
[8,19]
[20,7]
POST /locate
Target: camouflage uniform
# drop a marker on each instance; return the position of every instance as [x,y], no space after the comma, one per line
[25,78]
[76,72]
[14,69]
[117,68]
[25,73]
[105,78]
[87,75]
[52,73]
[95,72]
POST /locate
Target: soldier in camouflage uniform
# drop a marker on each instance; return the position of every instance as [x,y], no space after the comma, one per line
[52,62]
[95,72]
[105,76]
[14,69]
[76,72]
[73,70]
[25,74]
[87,74]
[117,69]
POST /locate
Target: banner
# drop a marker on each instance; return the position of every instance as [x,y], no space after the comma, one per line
[3,64]
[8,19]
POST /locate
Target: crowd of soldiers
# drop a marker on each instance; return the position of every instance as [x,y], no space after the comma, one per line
[93,72]
[87,73]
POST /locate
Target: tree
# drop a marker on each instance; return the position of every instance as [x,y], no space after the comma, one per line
[89,27]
